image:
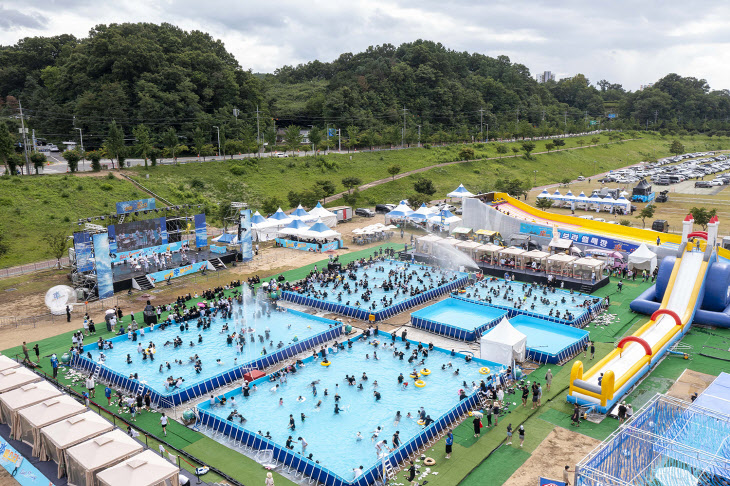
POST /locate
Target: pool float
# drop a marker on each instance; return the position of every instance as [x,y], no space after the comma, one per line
[326,363]
[414,375]
[425,372]
[201,304]
[429,461]
[421,422]
[302,399]
[420,383]
[484,370]
[470,413]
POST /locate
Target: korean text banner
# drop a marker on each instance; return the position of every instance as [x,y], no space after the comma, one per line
[244,235]
[598,241]
[84,252]
[177,272]
[201,231]
[104,280]
[125,207]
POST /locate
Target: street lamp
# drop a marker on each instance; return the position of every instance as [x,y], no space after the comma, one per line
[81,134]
[219,140]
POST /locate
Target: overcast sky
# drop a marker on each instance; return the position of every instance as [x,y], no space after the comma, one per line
[626,42]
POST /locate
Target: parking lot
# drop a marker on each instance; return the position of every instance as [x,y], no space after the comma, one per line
[688,187]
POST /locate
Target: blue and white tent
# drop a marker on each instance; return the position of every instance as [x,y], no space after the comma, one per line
[401,211]
[226,238]
[422,213]
[294,228]
[326,216]
[444,219]
[543,194]
[302,214]
[280,216]
[257,218]
[319,231]
[460,192]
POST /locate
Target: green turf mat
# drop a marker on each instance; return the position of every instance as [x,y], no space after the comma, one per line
[498,468]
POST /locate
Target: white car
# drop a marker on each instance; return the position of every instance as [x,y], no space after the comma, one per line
[716,182]
[280,155]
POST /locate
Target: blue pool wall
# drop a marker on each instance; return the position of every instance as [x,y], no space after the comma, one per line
[320,473]
[382,314]
[179,396]
[453,331]
[582,338]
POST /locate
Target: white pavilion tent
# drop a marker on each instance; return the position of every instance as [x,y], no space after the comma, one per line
[85,460]
[14,377]
[503,344]
[460,192]
[422,213]
[21,397]
[543,194]
[32,419]
[294,228]
[319,231]
[444,219]
[643,259]
[57,438]
[401,211]
[582,200]
[144,469]
[328,217]
[302,214]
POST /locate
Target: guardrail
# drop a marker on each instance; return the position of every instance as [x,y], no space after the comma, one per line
[33,267]
[78,309]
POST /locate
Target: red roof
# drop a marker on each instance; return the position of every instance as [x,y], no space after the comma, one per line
[715,219]
[689,218]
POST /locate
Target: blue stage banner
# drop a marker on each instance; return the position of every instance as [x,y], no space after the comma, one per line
[138,205]
[550,482]
[332,245]
[598,241]
[148,252]
[104,280]
[84,252]
[217,249]
[112,231]
[244,235]
[177,272]
[163,230]
[201,231]
[298,245]
[536,229]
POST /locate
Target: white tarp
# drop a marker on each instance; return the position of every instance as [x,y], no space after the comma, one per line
[503,343]
[643,259]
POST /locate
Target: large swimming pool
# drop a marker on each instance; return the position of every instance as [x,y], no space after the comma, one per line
[458,318]
[375,286]
[332,438]
[549,302]
[210,345]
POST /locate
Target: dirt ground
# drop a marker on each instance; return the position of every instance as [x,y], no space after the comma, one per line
[24,295]
[689,383]
[559,448]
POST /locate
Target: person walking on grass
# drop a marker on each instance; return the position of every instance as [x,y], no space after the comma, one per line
[90,386]
[593,349]
[509,434]
[37,353]
[575,418]
[25,351]
[449,443]
[548,379]
[412,474]
[163,423]
[269,480]
[522,435]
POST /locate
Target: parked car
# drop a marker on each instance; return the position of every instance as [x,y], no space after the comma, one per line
[366,212]
[281,155]
[384,208]
[703,184]
[581,178]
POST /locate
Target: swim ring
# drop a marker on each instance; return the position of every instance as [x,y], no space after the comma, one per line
[421,422]
[414,375]
[420,383]
[425,372]
[327,363]
[484,370]
[429,461]
[470,413]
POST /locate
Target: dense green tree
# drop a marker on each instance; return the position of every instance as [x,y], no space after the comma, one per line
[349,182]
[58,243]
[95,157]
[315,137]
[394,170]
[327,187]
[13,162]
[501,150]
[171,142]
[702,216]
[143,141]
[528,148]
[292,138]
[270,205]
[38,160]
[513,187]
[544,203]
[549,146]
[198,141]
[353,132]
[72,158]
[6,144]
[466,153]
[424,186]
[676,148]
[114,143]
[646,212]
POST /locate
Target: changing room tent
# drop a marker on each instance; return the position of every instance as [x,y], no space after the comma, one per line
[58,437]
[85,460]
[643,259]
[328,217]
[144,469]
[503,343]
[23,396]
[8,363]
[15,377]
[32,419]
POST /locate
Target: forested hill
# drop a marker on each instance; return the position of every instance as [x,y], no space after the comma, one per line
[165,77]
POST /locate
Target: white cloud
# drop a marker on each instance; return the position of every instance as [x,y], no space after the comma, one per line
[622,41]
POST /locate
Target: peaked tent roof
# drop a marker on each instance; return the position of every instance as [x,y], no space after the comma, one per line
[296,224]
[544,193]
[320,211]
[401,210]
[300,211]
[143,469]
[460,192]
[257,218]
[642,185]
[319,227]
[503,343]
[279,215]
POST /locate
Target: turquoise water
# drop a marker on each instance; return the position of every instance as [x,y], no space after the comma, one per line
[407,280]
[283,326]
[546,336]
[332,437]
[539,302]
[458,313]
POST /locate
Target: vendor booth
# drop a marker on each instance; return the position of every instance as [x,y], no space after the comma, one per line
[21,397]
[535,260]
[488,236]
[400,213]
[462,233]
[487,253]
[317,238]
[144,469]
[561,264]
[643,259]
[503,344]
[32,419]
[424,244]
[511,257]
[15,377]
[587,268]
[85,460]
[468,247]
[57,438]
[560,245]
[7,363]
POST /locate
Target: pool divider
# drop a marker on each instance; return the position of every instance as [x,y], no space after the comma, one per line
[450,330]
[166,400]
[562,355]
[365,315]
[298,463]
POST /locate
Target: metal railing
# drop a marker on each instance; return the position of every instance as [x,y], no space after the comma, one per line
[33,267]
[78,310]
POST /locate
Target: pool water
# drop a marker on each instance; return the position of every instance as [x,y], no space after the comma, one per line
[458,313]
[407,279]
[284,326]
[332,437]
[546,337]
[539,301]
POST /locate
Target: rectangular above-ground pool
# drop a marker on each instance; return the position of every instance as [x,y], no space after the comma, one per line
[548,342]
[458,318]
[332,436]
[378,290]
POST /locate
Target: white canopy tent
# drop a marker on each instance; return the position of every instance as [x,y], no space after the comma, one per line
[15,377]
[503,344]
[144,469]
[301,214]
[21,397]
[8,363]
[422,213]
[425,243]
[85,460]
[294,228]
[257,218]
[401,211]
[328,217]
[32,419]
[643,259]
[319,231]
[460,192]
[229,238]
[58,437]
[444,218]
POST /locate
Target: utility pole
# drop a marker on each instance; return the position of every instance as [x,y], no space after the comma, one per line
[403,139]
[586,118]
[339,140]
[481,124]
[487,140]
[83,154]
[518,115]
[565,121]
[543,114]
[419,135]
[219,140]
[656,113]
[25,138]
[258,131]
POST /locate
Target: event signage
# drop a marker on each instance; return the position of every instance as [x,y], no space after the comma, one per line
[536,229]
[138,205]
[84,252]
[598,241]
[217,249]
[21,469]
[103,261]
[303,245]
[244,235]
[148,252]
[550,482]
[332,245]
[177,272]
[201,231]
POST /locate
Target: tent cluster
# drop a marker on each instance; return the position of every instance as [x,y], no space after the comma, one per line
[592,203]
[430,217]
